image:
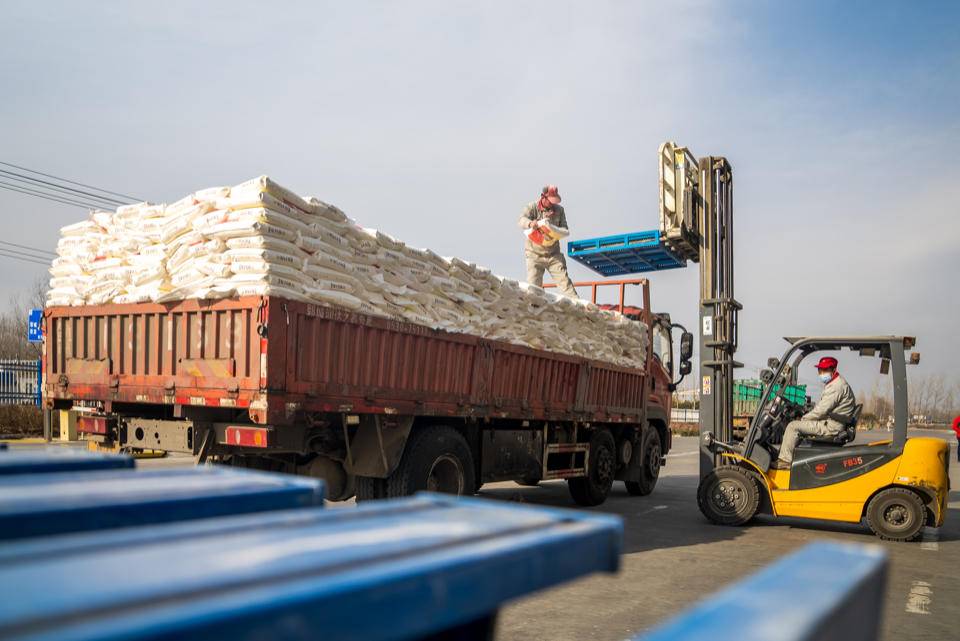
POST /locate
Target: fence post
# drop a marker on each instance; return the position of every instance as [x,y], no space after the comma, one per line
[39,383]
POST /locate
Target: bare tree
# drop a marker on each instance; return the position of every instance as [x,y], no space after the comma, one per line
[13,324]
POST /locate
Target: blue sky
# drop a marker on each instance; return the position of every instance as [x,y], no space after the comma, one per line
[438,121]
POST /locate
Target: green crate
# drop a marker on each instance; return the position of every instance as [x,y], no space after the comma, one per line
[748,392]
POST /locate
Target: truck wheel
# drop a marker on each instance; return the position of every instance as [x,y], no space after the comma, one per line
[340,485]
[528,481]
[728,496]
[593,488]
[650,471]
[369,488]
[896,514]
[436,459]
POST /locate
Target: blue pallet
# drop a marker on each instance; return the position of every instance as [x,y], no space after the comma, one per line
[384,571]
[823,592]
[44,504]
[46,459]
[624,254]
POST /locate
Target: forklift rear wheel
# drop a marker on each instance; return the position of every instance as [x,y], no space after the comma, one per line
[896,514]
[436,459]
[593,488]
[650,471]
[728,495]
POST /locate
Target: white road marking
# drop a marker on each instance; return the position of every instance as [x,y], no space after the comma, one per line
[682,454]
[653,509]
[919,598]
[931,539]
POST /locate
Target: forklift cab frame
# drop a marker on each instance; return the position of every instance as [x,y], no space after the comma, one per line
[774,409]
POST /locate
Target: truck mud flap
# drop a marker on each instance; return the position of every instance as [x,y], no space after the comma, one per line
[377,445]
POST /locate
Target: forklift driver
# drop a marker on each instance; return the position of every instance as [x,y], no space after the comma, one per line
[828,417]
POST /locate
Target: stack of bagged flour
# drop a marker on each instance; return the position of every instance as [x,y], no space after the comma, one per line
[259,239]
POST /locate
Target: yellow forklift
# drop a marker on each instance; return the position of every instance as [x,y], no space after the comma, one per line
[898,485]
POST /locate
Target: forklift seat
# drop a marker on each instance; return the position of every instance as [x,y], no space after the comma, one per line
[848,434]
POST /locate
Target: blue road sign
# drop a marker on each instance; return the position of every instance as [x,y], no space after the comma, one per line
[35,326]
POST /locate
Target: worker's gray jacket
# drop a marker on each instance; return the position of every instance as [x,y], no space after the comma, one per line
[531,214]
[836,406]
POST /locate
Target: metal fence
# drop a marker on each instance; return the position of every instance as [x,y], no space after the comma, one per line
[682,415]
[19,382]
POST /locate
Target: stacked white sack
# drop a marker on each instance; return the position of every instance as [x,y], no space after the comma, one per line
[259,238]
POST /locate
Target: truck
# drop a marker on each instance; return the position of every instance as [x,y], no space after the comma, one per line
[376,407]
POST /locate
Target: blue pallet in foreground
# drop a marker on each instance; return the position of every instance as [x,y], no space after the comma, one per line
[384,571]
[624,253]
[43,504]
[46,459]
[823,592]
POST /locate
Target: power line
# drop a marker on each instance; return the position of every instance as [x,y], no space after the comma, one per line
[37,190]
[33,249]
[64,200]
[72,182]
[35,183]
[24,254]
[26,260]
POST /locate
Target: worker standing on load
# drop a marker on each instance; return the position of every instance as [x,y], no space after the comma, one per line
[832,413]
[544,222]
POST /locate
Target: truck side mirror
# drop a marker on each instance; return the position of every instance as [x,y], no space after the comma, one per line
[766,376]
[686,346]
[914,358]
[685,368]
[773,363]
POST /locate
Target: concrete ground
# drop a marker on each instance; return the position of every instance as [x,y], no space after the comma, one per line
[673,557]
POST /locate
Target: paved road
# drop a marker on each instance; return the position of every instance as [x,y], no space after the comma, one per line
[674,557]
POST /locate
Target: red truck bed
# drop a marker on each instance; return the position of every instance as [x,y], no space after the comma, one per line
[280,358]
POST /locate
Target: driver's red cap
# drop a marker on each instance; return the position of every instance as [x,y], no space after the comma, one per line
[827,362]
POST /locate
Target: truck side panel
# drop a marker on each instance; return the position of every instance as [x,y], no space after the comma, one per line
[283,358]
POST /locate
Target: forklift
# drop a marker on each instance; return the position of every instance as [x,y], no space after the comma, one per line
[899,485]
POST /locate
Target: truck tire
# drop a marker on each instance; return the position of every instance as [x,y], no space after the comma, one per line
[528,481]
[896,514]
[650,471]
[728,495]
[593,488]
[436,459]
[369,489]
[341,486]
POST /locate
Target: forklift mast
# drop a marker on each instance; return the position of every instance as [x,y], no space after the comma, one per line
[696,223]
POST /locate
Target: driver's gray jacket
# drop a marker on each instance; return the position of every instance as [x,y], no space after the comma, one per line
[835,406]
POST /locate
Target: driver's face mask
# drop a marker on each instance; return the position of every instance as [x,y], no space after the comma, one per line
[825,377]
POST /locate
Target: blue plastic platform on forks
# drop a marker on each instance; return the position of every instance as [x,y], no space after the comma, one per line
[624,253]
[44,504]
[384,571]
[31,459]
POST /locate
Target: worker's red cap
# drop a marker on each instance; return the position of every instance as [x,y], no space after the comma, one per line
[827,362]
[552,193]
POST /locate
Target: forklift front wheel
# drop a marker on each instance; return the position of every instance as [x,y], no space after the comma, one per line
[728,495]
[896,514]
